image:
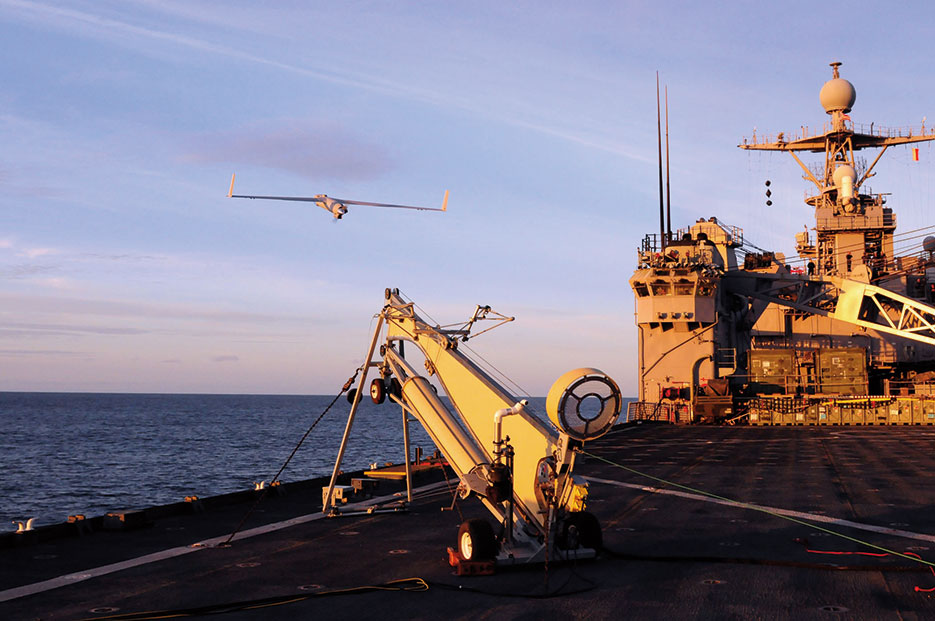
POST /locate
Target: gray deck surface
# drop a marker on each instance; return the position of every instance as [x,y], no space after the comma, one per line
[667,555]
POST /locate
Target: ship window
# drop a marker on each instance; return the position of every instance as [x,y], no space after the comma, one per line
[641,289]
[684,287]
[661,288]
[705,291]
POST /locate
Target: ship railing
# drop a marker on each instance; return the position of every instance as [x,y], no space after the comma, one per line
[868,129]
[655,242]
[669,412]
[888,356]
[726,357]
[906,131]
[734,233]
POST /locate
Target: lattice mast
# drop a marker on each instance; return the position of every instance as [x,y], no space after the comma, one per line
[853,229]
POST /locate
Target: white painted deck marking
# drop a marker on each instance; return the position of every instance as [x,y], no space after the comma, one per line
[786,512]
[80,576]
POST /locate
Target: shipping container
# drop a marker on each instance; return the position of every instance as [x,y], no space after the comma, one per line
[842,371]
[811,415]
[925,415]
[772,371]
[852,415]
[901,412]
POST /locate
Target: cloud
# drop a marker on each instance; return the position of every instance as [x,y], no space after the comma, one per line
[311,150]
[32,253]
[226,359]
[438,92]
[33,304]
[40,352]
[21,271]
[136,37]
[132,258]
[60,328]
[55,283]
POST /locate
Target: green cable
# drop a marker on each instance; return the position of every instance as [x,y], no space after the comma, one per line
[760,509]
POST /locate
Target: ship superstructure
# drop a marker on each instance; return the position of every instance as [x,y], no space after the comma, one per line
[732,332]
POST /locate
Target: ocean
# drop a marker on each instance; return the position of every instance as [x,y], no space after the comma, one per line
[63,454]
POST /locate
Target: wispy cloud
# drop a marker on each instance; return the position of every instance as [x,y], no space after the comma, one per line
[226,359]
[9,243]
[61,328]
[32,253]
[78,307]
[122,257]
[17,272]
[134,36]
[444,92]
[16,353]
[296,146]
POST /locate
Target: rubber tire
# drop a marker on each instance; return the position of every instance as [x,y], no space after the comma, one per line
[476,541]
[378,391]
[395,388]
[589,530]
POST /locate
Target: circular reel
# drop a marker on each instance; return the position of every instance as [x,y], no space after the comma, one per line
[584,403]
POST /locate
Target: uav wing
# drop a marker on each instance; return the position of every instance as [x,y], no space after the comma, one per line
[344,201]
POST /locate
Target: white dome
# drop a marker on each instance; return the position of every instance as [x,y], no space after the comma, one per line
[844,170]
[837,95]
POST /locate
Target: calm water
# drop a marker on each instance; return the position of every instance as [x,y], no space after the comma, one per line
[63,454]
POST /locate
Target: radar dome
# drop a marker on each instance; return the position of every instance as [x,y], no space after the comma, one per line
[929,244]
[844,170]
[837,95]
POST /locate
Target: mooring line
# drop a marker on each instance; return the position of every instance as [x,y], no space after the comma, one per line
[275,479]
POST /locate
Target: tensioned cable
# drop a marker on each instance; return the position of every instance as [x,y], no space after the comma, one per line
[900,237]
[522,391]
[266,489]
[744,505]
[489,366]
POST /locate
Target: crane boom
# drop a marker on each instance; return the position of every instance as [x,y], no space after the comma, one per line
[517,464]
[852,301]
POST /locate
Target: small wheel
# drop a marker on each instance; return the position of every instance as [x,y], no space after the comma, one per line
[378,391]
[581,530]
[350,395]
[395,388]
[476,541]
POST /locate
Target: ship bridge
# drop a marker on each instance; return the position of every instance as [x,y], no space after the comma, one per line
[704,320]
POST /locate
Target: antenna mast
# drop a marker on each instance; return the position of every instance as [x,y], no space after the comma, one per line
[662,224]
[668,197]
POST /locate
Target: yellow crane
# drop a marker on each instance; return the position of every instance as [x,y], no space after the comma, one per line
[519,466]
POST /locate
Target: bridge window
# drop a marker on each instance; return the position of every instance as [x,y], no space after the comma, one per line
[661,288]
[684,287]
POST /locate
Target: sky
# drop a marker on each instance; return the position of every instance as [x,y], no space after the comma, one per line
[125,268]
